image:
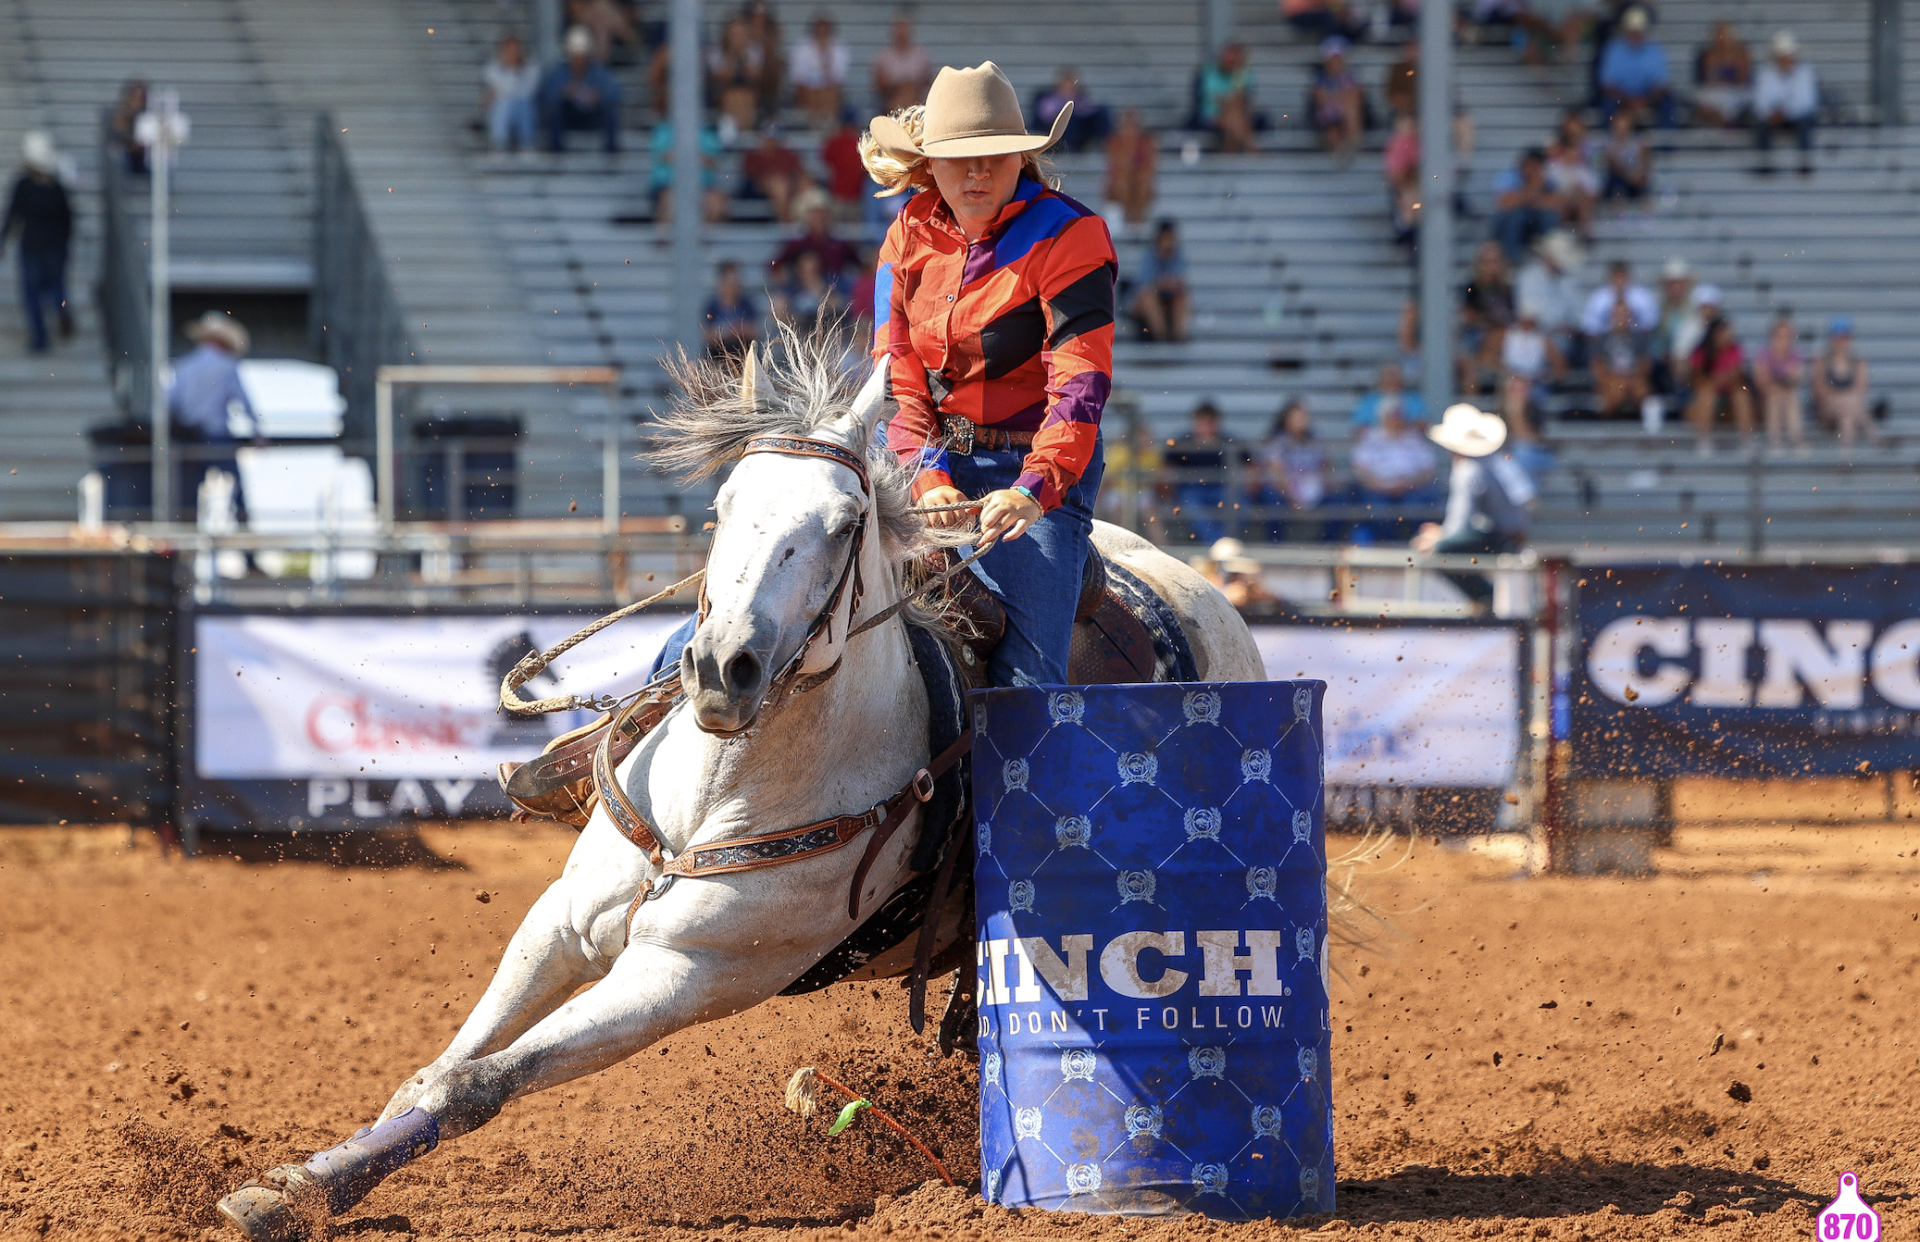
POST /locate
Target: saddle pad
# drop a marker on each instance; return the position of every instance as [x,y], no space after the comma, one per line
[1132,636]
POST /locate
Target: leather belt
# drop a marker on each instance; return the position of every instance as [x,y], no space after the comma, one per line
[963,436]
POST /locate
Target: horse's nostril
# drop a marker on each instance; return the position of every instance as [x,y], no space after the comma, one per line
[743,672]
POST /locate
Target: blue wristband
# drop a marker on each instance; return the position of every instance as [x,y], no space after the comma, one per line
[1024,492]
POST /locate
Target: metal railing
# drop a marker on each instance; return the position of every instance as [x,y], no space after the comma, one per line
[122,291]
[354,317]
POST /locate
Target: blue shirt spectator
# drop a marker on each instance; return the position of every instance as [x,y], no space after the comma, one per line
[579,93]
[206,383]
[1634,73]
[1389,392]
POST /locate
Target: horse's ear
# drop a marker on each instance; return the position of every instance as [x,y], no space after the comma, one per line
[754,386]
[871,403]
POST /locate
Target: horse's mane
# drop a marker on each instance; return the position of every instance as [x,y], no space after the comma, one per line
[708,425]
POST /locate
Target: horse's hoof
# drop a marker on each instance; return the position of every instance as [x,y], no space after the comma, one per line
[266,1214]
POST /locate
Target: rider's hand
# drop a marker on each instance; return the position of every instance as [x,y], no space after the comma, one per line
[1428,536]
[1007,514]
[945,496]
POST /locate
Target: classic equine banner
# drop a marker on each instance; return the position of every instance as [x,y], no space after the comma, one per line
[1745,671]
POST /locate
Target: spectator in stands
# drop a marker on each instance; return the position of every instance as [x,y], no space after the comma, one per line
[38,209]
[809,298]
[1525,208]
[1524,442]
[610,24]
[1389,394]
[509,85]
[1486,311]
[902,70]
[1548,288]
[1129,492]
[1676,306]
[1226,99]
[1571,175]
[734,73]
[838,258]
[1401,89]
[1395,472]
[579,94]
[1552,26]
[1622,365]
[1778,371]
[1132,163]
[1196,465]
[1691,329]
[1401,164]
[732,320]
[204,394]
[1596,317]
[1489,498]
[1530,361]
[1163,303]
[1336,102]
[1292,470]
[1320,19]
[818,66]
[1633,73]
[1786,95]
[713,200]
[847,180]
[126,114]
[772,171]
[1090,123]
[763,36]
[1723,77]
[1628,161]
[1840,385]
[1718,370]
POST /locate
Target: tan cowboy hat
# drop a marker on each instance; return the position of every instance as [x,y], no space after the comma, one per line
[1469,431]
[220,328]
[1562,249]
[38,152]
[969,112]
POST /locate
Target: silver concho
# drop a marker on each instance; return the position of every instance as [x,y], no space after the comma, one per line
[1266,1121]
[1077,1063]
[1136,886]
[1014,774]
[985,836]
[990,1069]
[992,1189]
[1255,766]
[1202,823]
[1309,1064]
[1066,707]
[1303,825]
[1207,1062]
[1310,1186]
[1083,1179]
[1139,768]
[1072,831]
[1143,1121]
[1303,944]
[1262,883]
[1026,1123]
[1202,707]
[1302,703]
[1020,897]
[1210,1179]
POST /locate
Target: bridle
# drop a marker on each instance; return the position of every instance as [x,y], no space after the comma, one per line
[788,680]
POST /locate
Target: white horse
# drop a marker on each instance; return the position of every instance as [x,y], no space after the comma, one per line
[720,767]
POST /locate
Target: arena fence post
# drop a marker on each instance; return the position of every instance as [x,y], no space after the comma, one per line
[1553,750]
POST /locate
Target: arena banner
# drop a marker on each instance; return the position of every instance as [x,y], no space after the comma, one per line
[1745,670]
[301,722]
[1408,705]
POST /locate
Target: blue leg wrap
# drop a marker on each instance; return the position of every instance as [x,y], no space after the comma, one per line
[348,1171]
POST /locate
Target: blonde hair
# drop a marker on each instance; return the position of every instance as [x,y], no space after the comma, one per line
[899,172]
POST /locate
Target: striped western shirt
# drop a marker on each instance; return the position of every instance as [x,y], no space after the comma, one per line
[1013,331]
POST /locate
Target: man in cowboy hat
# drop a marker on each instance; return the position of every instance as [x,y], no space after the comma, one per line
[39,209]
[1786,95]
[1487,497]
[205,390]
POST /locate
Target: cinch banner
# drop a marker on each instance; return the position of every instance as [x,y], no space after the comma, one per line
[1745,670]
[1408,705]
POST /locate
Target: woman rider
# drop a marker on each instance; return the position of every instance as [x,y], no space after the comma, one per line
[994,305]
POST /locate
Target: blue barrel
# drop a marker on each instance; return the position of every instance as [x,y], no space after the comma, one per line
[1150,876]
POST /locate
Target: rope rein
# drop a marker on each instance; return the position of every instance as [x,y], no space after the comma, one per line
[534,663]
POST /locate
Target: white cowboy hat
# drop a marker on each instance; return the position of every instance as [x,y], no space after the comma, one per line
[1635,18]
[1706,295]
[222,329]
[1469,431]
[1785,43]
[1226,549]
[969,112]
[579,41]
[38,152]
[1562,249]
[1677,268]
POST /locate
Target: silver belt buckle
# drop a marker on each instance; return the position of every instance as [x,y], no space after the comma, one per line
[959,434]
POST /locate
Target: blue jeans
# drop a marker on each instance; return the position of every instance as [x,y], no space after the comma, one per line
[512,124]
[566,115]
[1202,505]
[1035,577]
[43,284]
[1517,227]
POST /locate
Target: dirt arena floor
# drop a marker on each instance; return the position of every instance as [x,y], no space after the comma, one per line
[1695,1054]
